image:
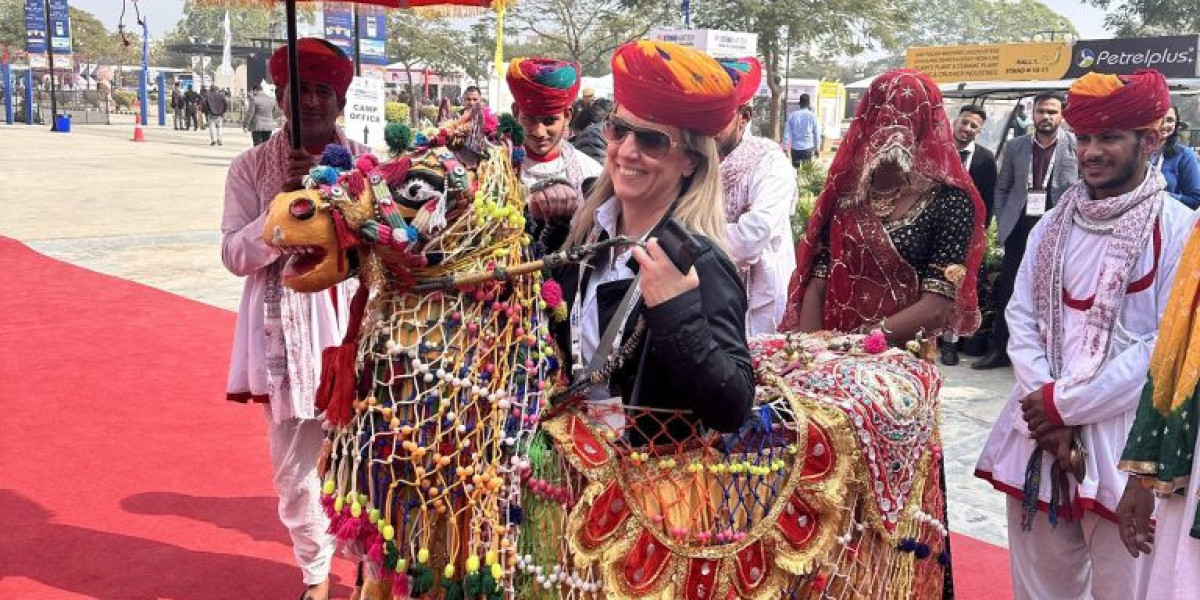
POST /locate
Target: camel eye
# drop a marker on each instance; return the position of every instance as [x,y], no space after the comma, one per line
[303,208]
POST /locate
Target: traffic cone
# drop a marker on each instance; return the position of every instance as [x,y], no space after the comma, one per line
[138,136]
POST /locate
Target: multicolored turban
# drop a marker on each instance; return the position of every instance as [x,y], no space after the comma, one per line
[320,62]
[542,86]
[749,76]
[1098,103]
[675,85]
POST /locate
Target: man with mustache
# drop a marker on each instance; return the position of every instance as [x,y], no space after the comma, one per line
[1084,318]
[1035,171]
[543,90]
[280,333]
[760,193]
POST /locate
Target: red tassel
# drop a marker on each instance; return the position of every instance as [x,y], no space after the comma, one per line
[335,394]
[395,172]
[355,183]
[400,586]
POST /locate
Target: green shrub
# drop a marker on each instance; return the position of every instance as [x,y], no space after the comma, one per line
[810,180]
[124,99]
[429,112]
[396,112]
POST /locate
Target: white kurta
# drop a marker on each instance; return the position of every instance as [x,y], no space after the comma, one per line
[760,194]
[249,189]
[1104,407]
[570,164]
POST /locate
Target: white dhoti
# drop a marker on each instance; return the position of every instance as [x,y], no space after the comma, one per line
[1080,559]
[295,450]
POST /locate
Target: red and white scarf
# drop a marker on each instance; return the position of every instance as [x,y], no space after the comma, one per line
[1133,217]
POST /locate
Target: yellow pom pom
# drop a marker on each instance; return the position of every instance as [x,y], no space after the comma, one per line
[338,503]
[560,311]
[327,488]
[423,555]
[402,565]
[472,563]
[497,572]
[356,510]
[490,558]
[389,532]
[448,572]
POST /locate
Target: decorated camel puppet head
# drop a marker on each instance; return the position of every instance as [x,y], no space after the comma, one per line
[397,210]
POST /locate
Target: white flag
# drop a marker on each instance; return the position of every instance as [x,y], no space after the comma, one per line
[226,67]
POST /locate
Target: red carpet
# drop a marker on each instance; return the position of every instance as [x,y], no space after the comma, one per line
[126,475]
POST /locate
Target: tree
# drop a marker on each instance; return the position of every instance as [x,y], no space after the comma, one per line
[965,22]
[419,42]
[587,31]
[92,42]
[204,23]
[1131,18]
[845,27]
[12,25]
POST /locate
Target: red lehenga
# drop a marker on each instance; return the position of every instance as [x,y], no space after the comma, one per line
[868,279]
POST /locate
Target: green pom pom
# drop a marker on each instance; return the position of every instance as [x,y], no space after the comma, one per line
[398,136]
[390,554]
[473,584]
[510,127]
[421,579]
[454,590]
[490,586]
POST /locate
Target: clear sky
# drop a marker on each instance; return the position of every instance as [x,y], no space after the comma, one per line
[163,14]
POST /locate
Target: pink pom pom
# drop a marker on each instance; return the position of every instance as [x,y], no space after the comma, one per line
[366,162]
[490,122]
[875,343]
[375,554]
[552,293]
[400,587]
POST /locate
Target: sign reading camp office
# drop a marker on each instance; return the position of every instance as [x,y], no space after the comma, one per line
[991,62]
[364,112]
[1173,56]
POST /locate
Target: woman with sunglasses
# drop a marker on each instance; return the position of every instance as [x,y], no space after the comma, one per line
[677,338]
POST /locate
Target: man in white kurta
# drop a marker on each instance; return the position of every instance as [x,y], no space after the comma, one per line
[760,194]
[1084,319]
[280,334]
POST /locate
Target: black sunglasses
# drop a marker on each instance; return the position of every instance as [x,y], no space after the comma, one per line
[651,142]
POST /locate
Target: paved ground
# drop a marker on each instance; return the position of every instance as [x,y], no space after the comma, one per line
[150,212]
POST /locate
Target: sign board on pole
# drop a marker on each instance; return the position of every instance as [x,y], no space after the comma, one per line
[339,25]
[35,31]
[372,35]
[364,113]
[714,42]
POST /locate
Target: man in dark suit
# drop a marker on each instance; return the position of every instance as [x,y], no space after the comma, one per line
[1034,172]
[981,165]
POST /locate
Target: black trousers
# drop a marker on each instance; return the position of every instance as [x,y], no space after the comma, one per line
[260,136]
[1014,251]
[801,156]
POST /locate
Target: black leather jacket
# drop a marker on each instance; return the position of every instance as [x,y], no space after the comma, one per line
[693,355]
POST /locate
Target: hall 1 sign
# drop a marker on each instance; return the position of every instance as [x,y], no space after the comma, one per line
[1173,56]
[364,113]
[35,32]
[991,62]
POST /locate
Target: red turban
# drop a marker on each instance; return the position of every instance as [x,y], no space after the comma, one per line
[749,75]
[1098,103]
[542,86]
[674,85]
[320,62]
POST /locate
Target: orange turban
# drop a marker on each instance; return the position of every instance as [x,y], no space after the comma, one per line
[1098,103]
[320,62]
[674,85]
[542,86]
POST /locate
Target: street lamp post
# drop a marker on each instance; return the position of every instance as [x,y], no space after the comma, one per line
[143,96]
[50,59]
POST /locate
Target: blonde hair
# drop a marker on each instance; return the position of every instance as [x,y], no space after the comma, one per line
[701,205]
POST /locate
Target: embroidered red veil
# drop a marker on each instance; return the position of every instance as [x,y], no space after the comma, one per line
[869,280]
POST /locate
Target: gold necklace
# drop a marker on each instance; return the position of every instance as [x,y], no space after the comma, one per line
[883,202]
